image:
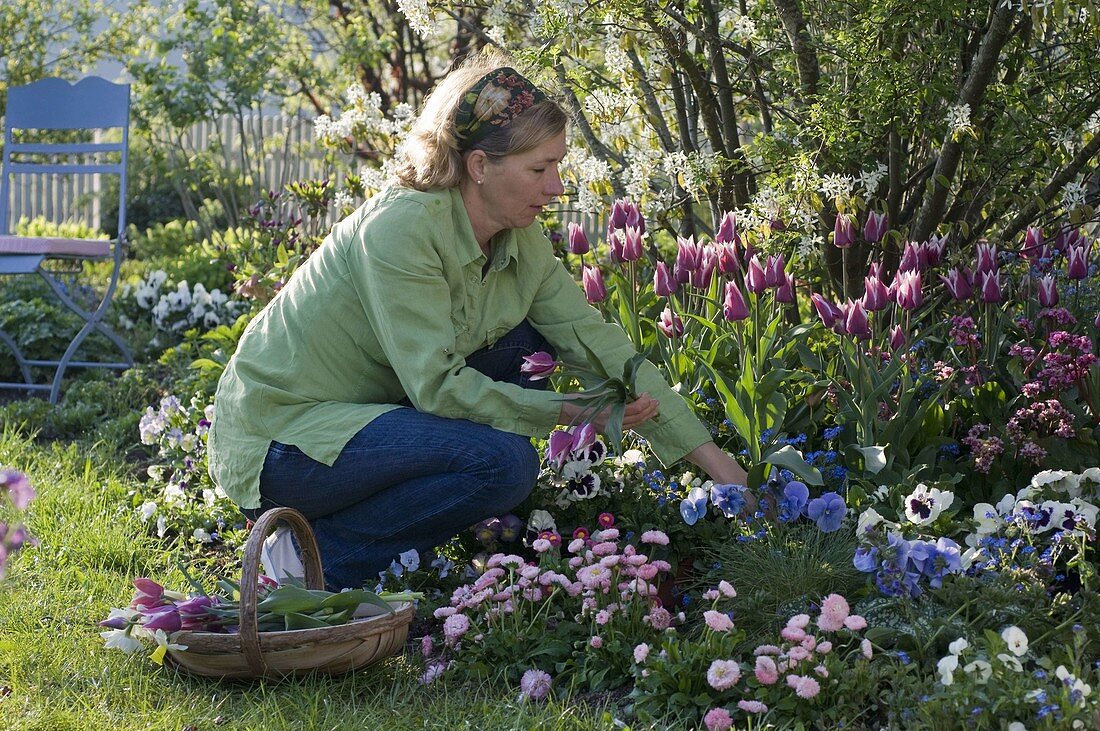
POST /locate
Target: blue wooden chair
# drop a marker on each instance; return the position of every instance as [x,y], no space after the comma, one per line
[55,104]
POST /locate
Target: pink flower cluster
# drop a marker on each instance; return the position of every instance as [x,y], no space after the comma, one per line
[985,449]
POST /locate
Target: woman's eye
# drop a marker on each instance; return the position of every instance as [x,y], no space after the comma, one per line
[540,171]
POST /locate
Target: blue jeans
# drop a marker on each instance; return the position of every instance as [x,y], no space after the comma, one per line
[408,479]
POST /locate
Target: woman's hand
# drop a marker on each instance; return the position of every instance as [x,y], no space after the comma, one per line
[637,412]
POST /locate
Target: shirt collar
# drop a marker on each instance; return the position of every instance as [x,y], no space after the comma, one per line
[505,248]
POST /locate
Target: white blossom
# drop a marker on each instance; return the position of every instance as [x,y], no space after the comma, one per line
[958,117]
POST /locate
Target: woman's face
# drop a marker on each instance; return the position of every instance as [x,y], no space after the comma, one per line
[517,187]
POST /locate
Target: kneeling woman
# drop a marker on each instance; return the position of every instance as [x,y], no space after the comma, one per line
[380,391]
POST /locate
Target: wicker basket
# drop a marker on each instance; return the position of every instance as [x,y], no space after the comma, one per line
[328,650]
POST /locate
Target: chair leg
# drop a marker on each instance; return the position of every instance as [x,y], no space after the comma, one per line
[20,361]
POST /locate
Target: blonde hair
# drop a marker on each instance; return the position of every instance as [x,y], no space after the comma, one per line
[432,158]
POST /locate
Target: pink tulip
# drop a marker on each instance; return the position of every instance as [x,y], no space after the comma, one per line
[149,594]
[986,259]
[875,295]
[584,436]
[957,284]
[594,288]
[727,230]
[909,290]
[734,307]
[618,214]
[843,231]
[785,292]
[897,339]
[1033,243]
[876,227]
[700,278]
[578,241]
[912,258]
[1077,263]
[632,245]
[826,310]
[688,254]
[558,447]
[663,284]
[634,218]
[875,269]
[670,324]
[1048,291]
[933,249]
[1068,237]
[615,243]
[165,618]
[991,288]
[728,261]
[755,281]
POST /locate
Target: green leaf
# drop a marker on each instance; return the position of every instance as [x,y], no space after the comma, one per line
[290,599]
[593,361]
[787,457]
[297,620]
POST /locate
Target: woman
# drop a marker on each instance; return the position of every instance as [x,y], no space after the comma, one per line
[380,392]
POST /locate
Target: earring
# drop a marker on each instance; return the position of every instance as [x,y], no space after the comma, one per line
[480,182]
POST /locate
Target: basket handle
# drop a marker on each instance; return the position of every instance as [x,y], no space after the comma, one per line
[250,570]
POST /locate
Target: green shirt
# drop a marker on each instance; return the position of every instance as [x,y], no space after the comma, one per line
[389,306]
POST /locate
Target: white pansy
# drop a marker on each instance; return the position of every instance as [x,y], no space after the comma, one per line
[946,668]
[147,510]
[410,559]
[1010,662]
[1016,640]
[924,505]
[1062,480]
[987,518]
[201,536]
[980,669]
[958,646]
[1016,726]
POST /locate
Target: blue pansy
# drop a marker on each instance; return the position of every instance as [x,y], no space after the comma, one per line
[827,511]
[795,497]
[694,506]
[729,499]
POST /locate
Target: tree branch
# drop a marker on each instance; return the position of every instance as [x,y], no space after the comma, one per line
[794,23]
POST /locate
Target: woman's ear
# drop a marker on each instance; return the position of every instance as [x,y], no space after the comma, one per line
[475,165]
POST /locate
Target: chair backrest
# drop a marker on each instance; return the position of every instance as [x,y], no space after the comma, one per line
[54,104]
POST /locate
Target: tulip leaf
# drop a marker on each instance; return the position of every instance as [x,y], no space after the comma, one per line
[297,620]
[593,361]
[787,457]
[352,599]
[289,599]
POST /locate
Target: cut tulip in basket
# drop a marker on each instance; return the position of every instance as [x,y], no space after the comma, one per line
[262,628]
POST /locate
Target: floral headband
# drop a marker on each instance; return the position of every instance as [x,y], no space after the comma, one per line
[492,103]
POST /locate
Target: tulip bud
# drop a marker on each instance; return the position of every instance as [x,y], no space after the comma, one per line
[538,366]
[1033,243]
[1067,238]
[615,243]
[876,227]
[874,269]
[618,214]
[578,241]
[911,258]
[1096,322]
[632,246]
[584,436]
[634,218]
[785,292]
[991,287]
[897,339]
[663,284]
[166,618]
[670,324]
[754,276]
[843,231]
[558,447]
[875,294]
[734,307]
[1077,265]
[594,289]
[773,271]
[957,285]
[688,254]
[909,295]
[933,250]
[986,259]
[727,230]
[855,321]
[1048,291]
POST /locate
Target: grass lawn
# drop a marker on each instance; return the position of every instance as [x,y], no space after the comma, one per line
[55,673]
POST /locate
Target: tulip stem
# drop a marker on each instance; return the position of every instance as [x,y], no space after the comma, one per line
[844,272]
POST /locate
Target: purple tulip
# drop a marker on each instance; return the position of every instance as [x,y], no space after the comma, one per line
[663,284]
[843,231]
[1068,237]
[1077,264]
[875,294]
[876,227]
[897,339]
[909,290]
[958,285]
[1033,243]
[584,436]
[670,324]
[1048,291]
[615,243]
[826,310]
[558,447]
[773,271]
[165,618]
[634,218]
[149,594]
[991,288]
[700,278]
[618,214]
[578,241]
[632,245]
[875,269]
[688,256]
[734,307]
[728,261]
[727,230]
[912,259]
[933,249]
[785,292]
[193,614]
[855,320]
[755,281]
[538,366]
[115,623]
[594,288]
[986,259]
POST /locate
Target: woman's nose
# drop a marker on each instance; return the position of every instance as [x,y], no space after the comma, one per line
[556,187]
